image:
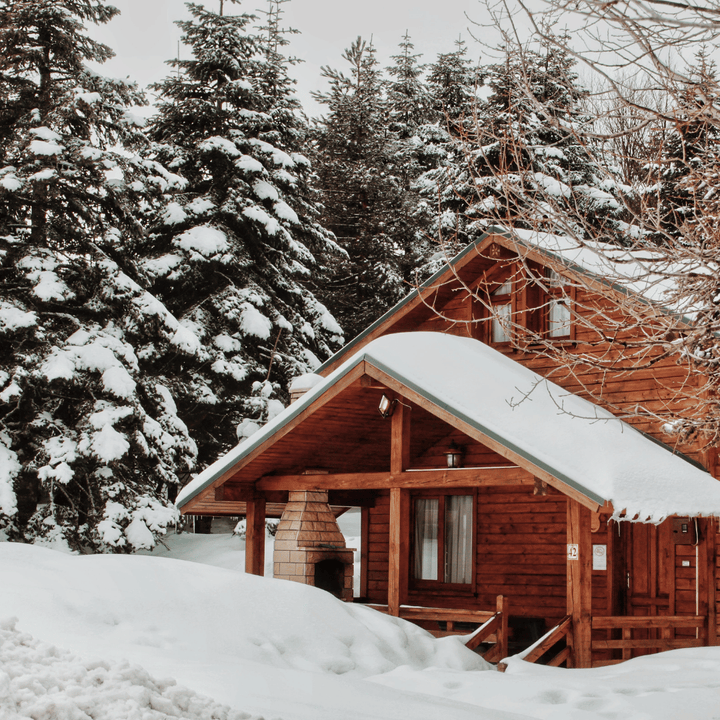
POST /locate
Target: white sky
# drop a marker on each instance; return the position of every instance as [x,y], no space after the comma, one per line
[144,36]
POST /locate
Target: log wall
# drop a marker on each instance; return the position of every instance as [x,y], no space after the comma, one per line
[520,554]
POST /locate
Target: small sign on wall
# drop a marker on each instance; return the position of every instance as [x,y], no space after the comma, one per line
[573,551]
[599,557]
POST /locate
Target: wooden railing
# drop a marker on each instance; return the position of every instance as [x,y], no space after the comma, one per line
[662,626]
[493,624]
[563,630]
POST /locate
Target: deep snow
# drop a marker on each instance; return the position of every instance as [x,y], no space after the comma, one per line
[241,646]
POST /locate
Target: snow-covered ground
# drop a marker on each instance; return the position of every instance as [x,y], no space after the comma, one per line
[108,638]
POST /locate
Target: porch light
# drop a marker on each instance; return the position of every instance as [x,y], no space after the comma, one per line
[454,456]
[386,406]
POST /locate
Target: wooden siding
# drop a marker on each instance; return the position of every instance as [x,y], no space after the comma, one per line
[521,550]
[520,553]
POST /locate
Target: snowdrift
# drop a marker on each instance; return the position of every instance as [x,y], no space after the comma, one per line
[173,607]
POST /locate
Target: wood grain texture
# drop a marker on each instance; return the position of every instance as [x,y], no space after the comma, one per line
[579,583]
[255,537]
[398,549]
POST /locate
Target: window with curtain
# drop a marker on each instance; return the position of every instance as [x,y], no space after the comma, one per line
[442,542]
[501,313]
[559,316]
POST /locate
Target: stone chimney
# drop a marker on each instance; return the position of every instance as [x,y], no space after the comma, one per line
[302,384]
[309,547]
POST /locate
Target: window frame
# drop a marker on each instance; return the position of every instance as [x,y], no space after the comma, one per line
[559,291]
[440,586]
[486,316]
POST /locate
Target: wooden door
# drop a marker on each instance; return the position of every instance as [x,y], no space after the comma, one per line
[650,566]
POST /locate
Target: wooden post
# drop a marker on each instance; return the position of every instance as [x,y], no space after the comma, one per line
[400,439]
[399,549]
[503,608]
[364,550]
[255,537]
[399,510]
[707,576]
[579,581]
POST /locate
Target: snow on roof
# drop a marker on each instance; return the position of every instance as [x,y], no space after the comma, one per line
[577,442]
[651,275]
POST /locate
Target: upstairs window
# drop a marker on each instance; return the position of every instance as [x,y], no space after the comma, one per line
[559,316]
[442,542]
[501,300]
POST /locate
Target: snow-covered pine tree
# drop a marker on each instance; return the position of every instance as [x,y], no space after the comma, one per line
[284,125]
[679,198]
[83,428]
[232,254]
[408,99]
[362,191]
[410,124]
[526,160]
[452,81]
[444,184]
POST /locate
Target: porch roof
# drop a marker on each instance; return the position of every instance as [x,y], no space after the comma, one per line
[544,427]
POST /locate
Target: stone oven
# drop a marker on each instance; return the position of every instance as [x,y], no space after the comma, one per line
[309,547]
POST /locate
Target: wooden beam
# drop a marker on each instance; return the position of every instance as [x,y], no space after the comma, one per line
[579,582]
[255,537]
[339,498]
[399,549]
[235,509]
[441,478]
[400,438]
[481,437]
[648,621]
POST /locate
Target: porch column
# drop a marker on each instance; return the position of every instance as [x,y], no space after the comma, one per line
[707,575]
[399,511]
[399,549]
[579,581]
[255,536]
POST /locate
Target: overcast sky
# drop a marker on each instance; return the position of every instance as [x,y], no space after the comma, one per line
[144,35]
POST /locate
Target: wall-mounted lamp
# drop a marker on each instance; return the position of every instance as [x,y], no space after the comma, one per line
[386,406]
[454,456]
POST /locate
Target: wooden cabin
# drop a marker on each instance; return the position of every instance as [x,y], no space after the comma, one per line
[502,431]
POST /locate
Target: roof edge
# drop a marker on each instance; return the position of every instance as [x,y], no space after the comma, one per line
[235,456]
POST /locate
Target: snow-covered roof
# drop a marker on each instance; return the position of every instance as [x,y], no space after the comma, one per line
[649,275]
[582,445]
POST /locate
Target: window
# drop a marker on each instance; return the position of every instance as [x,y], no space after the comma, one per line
[501,301]
[559,318]
[443,539]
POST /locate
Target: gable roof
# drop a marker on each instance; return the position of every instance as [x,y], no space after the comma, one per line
[544,428]
[642,275]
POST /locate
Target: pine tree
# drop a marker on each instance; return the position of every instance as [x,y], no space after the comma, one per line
[408,99]
[362,191]
[452,81]
[525,159]
[445,185]
[233,254]
[82,426]
[680,195]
